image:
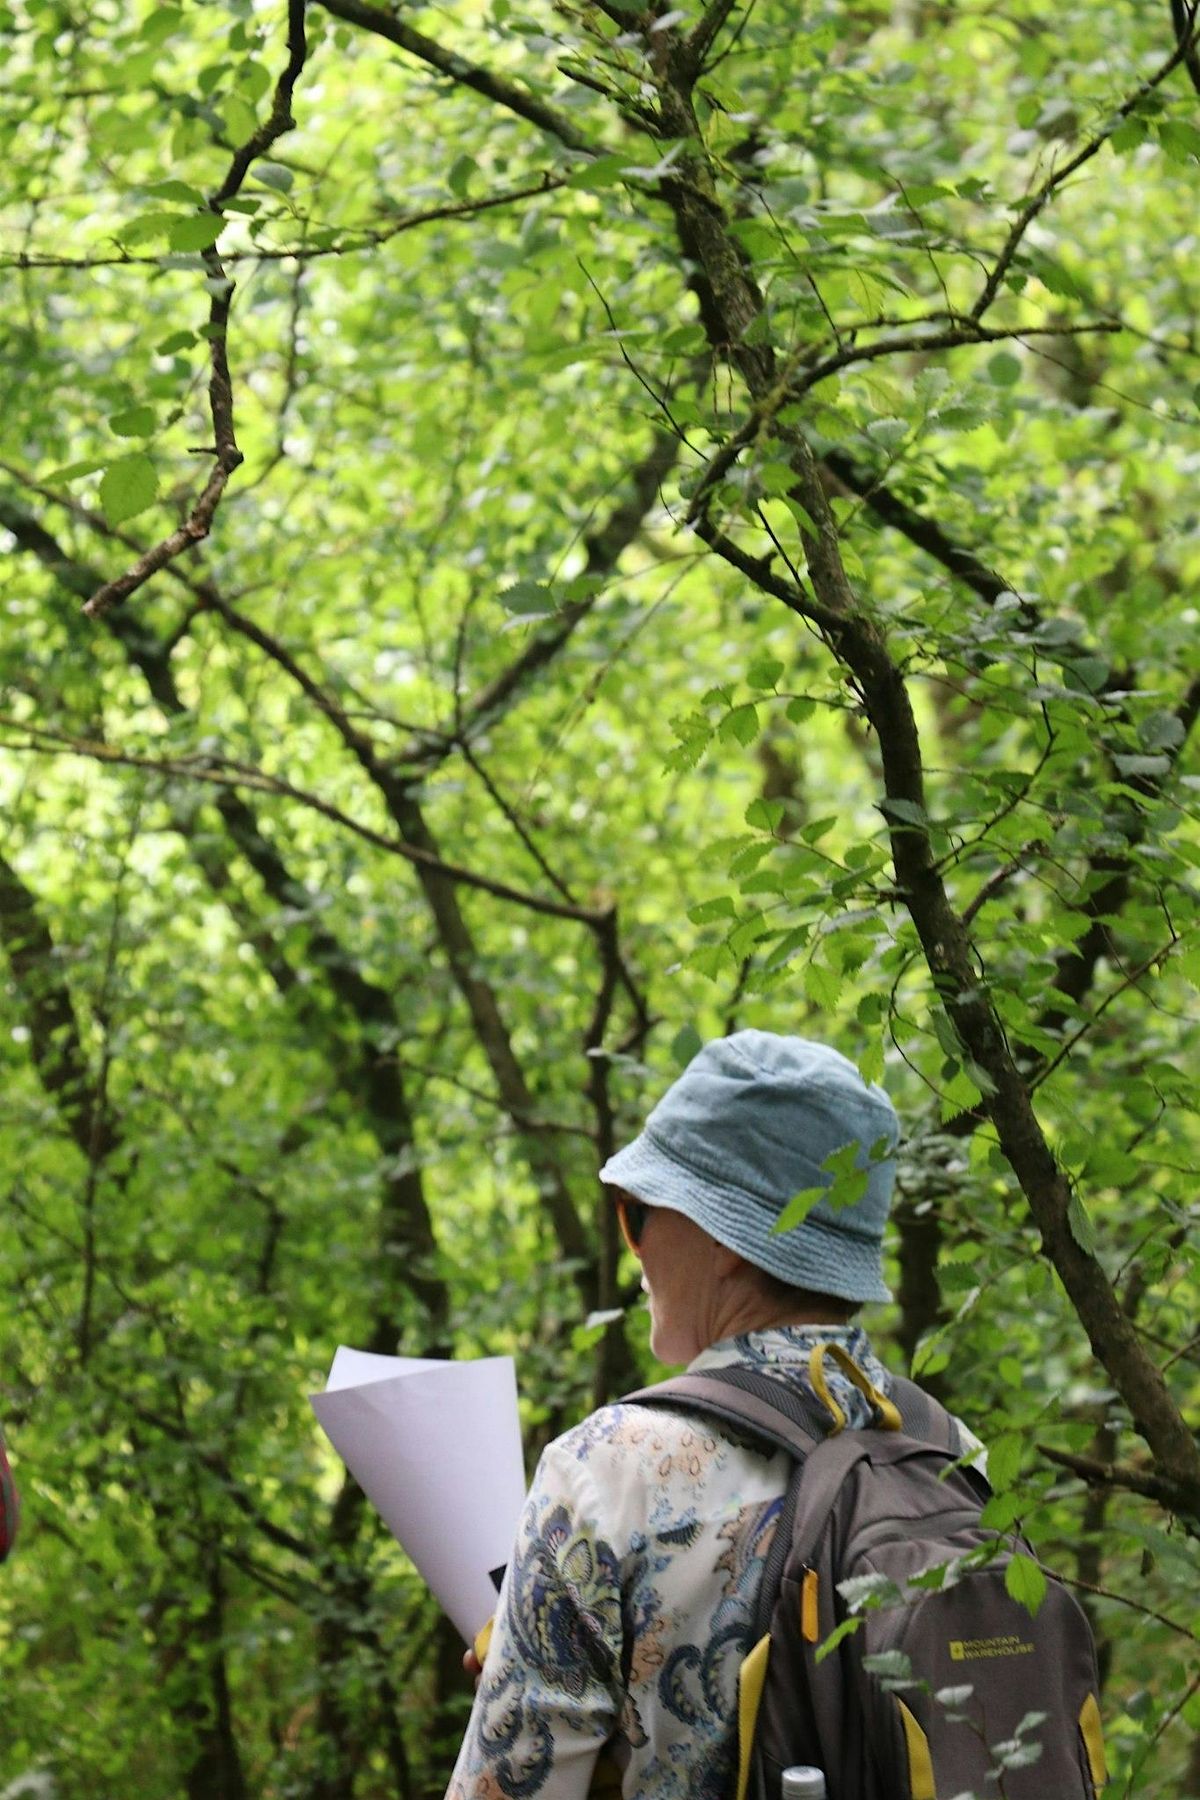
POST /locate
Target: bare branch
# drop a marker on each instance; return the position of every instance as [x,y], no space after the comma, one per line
[494,87]
[605,545]
[956,337]
[223,772]
[1183,18]
[1172,1495]
[225,451]
[1183,50]
[703,35]
[364,239]
[279,120]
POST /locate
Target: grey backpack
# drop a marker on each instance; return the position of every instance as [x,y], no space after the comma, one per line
[943,1692]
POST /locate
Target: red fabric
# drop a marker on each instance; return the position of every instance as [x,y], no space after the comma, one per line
[8,1505]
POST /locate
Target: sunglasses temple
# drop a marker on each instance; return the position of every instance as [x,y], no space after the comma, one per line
[626,1233]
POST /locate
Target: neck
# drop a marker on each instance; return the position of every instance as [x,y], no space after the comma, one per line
[752,1314]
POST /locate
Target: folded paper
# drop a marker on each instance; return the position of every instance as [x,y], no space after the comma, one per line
[436,1448]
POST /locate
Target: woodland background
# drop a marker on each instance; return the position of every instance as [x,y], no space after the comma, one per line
[535,534]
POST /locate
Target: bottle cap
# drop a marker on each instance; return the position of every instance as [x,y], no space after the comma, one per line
[802,1782]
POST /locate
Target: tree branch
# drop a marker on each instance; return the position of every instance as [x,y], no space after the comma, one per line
[604,549]
[1029,212]
[358,1064]
[305,253]
[1175,1496]
[497,88]
[228,456]
[731,304]
[224,772]
[702,36]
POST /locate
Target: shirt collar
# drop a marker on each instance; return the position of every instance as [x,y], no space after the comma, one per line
[783,1351]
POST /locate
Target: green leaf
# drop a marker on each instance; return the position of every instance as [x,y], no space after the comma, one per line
[1004,1460]
[175,341]
[128,488]
[764,815]
[747,933]
[1025,1583]
[459,178]
[147,226]
[161,24]
[1082,1229]
[176,190]
[847,1626]
[1055,278]
[892,1666]
[801,515]
[253,80]
[1162,731]
[240,120]
[135,421]
[706,910]
[1128,135]
[527,599]
[798,1209]
[742,724]
[1004,369]
[906,810]
[602,172]
[764,672]
[1142,765]
[823,985]
[197,231]
[73,471]
[1091,672]
[1001,1512]
[273,175]
[1179,139]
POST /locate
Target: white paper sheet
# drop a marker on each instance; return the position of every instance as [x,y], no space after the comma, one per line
[436,1448]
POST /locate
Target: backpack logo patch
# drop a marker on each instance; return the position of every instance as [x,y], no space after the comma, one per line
[970,1649]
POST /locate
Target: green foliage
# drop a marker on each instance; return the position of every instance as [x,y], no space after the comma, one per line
[259,1089]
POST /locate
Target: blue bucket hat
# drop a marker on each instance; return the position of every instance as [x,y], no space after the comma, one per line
[748,1125]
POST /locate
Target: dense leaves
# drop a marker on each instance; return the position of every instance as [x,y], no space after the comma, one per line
[597,525]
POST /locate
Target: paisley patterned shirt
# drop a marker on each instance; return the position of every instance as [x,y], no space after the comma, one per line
[628,1604]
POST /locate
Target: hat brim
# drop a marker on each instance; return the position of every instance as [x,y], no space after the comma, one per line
[822,1254]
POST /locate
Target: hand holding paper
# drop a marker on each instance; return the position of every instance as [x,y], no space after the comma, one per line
[436,1448]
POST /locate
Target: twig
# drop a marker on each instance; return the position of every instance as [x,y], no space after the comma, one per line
[227,455]
[366,239]
[1104,1593]
[1183,18]
[1029,212]
[954,338]
[492,86]
[999,880]
[222,772]
[700,40]
[1122,1475]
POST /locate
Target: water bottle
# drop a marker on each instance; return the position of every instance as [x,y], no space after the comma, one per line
[802,1782]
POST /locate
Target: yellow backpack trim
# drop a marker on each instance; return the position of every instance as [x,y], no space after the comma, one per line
[810,1618]
[920,1763]
[483,1638]
[752,1677]
[1093,1741]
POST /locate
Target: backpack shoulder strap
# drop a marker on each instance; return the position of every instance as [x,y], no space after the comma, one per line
[773,1410]
[925,1418]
